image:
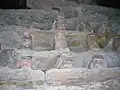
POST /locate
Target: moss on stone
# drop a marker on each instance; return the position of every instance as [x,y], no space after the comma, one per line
[75,43]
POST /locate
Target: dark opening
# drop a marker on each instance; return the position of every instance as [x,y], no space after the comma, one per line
[22,4]
[105,3]
[109,3]
[13,4]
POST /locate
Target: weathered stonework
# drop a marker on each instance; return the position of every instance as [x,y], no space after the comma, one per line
[77,76]
[56,67]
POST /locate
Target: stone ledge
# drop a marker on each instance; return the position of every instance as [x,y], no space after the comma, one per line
[79,76]
[8,75]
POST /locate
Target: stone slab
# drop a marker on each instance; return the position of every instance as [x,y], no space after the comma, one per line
[20,76]
[76,77]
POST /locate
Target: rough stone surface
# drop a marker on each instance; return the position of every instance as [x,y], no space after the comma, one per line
[22,87]
[76,77]
[10,39]
[45,39]
[18,75]
[19,79]
[6,58]
[41,19]
[91,22]
[69,12]
[109,13]
[71,24]
[14,22]
[104,85]
[42,39]
[45,60]
[47,5]
[81,60]
[98,10]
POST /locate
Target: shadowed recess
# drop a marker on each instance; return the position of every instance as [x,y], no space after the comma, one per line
[13,4]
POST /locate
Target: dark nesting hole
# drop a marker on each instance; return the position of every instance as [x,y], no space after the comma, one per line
[44,70]
[105,3]
[77,1]
[56,9]
[109,3]
[13,4]
[22,4]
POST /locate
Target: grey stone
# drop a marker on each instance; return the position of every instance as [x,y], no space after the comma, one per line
[5,56]
[12,87]
[98,10]
[69,12]
[90,23]
[48,5]
[109,46]
[44,60]
[111,58]
[86,2]
[77,77]
[42,39]
[18,75]
[10,39]
[77,49]
[71,24]
[112,84]
[41,20]
[111,14]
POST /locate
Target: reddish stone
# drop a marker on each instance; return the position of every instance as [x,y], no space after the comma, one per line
[24,63]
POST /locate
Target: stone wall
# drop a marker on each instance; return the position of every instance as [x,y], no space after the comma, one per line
[60,79]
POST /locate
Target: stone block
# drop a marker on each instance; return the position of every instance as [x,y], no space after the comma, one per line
[76,77]
[71,24]
[9,76]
